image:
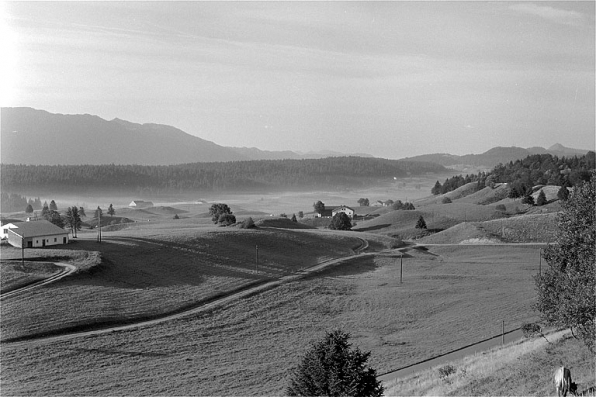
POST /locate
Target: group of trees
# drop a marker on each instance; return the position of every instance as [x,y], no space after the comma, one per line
[12,202]
[522,175]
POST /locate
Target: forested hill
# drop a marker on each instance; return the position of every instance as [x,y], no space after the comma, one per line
[332,172]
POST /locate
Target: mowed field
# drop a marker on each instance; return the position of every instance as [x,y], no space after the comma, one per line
[450,296]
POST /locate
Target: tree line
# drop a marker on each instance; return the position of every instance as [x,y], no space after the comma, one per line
[524,174]
[235,175]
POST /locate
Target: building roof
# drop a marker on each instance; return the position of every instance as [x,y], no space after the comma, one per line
[37,228]
[342,207]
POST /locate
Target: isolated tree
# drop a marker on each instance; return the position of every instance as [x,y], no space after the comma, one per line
[72,220]
[29,209]
[111,210]
[340,221]
[421,224]
[300,214]
[176,216]
[319,207]
[98,212]
[436,190]
[294,218]
[541,200]
[332,367]
[82,212]
[364,202]
[217,210]
[53,205]
[398,205]
[566,290]
[563,193]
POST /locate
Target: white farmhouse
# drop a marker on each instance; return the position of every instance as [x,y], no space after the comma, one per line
[346,210]
[36,234]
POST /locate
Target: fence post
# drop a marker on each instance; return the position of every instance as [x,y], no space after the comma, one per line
[401,268]
[503,333]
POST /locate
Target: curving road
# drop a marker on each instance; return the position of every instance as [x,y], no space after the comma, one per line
[265,286]
[68,269]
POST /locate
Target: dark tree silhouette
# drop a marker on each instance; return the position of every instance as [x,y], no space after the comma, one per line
[29,209]
[217,210]
[421,224]
[541,200]
[332,367]
[319,207]
[340,221]
[111,210]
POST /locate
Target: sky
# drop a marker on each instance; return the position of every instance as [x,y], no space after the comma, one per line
[391,79]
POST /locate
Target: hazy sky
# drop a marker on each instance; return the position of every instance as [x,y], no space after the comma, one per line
[393,79]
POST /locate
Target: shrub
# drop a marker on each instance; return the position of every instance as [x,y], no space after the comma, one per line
[332,367]
[176,216]
[226,219]
[248,223]
[421,224]
[446,371]
[446,200]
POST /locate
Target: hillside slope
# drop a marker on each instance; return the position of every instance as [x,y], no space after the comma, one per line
[31,136]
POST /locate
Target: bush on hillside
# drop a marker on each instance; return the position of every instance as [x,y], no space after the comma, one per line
[446,200]
[340,221]
[332,367]
[248,224]
[501,207]
[421,223]
[226,219]
[566,289]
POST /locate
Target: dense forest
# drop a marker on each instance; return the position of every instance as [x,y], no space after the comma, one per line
[537,169]
[332,172]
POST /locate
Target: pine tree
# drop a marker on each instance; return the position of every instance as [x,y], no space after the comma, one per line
[29,209]
[111,210]
[53,206]
[541,200]
[421,224]
[332,367]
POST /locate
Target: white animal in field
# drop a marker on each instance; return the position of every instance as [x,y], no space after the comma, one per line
[563,382]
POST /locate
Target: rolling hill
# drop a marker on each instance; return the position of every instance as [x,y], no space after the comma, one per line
[494,156]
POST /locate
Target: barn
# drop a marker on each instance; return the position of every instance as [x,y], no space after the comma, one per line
[36,234]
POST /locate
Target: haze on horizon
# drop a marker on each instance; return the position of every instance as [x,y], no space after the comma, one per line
[392,79]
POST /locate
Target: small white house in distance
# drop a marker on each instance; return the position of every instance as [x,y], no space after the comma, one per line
[36,234]
[346,210]
[140,204]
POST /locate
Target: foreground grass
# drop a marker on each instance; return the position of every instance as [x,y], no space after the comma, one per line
[449,297]
[524,368]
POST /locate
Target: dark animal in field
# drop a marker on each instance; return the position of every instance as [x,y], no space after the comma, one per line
[563,382]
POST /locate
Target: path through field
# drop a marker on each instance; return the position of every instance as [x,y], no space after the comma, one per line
[68,269]
[239,293]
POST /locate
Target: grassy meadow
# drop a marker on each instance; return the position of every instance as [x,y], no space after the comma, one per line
[150,265]
[450,295]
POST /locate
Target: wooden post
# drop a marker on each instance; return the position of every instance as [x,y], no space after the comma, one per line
[256,258]
[503,333]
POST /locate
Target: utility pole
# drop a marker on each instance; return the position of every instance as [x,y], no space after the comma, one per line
[23,249]
[98,224]
[401,268]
